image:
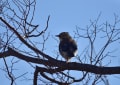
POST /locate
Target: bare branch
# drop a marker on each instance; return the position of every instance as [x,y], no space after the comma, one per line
[22,40]
[63,65]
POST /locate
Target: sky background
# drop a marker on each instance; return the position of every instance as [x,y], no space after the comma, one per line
[65,15]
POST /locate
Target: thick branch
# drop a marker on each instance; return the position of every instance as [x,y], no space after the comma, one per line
[63,65]
[35,77]
[23,41]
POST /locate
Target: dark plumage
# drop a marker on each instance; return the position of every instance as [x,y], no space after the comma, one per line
[67,46]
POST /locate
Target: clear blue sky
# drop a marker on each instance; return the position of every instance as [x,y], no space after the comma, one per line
[67,14]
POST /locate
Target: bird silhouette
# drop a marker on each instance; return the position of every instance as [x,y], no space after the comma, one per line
[67,46]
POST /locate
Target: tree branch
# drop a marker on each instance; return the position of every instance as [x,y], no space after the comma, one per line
[23,41]
[63,65]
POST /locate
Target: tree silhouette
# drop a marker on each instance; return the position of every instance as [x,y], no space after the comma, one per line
[18,31]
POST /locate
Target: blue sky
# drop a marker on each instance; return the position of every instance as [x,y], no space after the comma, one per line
[67,14]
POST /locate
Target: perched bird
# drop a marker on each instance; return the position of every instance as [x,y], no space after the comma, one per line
[67,46]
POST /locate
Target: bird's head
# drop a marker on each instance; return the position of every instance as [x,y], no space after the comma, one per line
[64,35]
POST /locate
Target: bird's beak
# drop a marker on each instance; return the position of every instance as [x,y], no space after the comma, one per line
[57,35]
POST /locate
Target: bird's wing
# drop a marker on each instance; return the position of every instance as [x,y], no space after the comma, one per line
[68,47]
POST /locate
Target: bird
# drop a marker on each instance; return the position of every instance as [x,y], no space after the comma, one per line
[67,46]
